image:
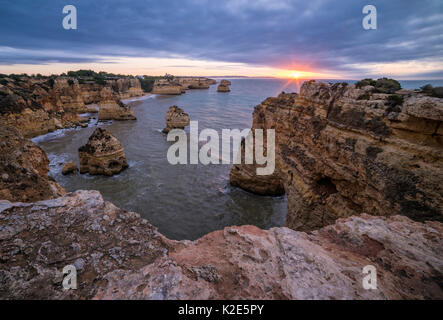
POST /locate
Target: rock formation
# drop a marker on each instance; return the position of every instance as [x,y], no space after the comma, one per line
[176,118]
[102,155]
[39,105]
[69,168]
[167,87]
[224,86]
[119,255]
[194,82]
[24,169]
[110,108]
[342,151]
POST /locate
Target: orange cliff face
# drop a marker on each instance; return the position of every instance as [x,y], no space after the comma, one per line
[37,106]
[343,151]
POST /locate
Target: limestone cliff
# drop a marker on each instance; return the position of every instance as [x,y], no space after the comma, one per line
[342,151]
[111,108]
[39,105]
[24,169]
[119,255]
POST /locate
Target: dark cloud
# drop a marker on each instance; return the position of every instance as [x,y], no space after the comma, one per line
[322,34]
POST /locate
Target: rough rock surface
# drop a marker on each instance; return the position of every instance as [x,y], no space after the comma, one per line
[176,118]
[111,108]
[341,151]
[224,86]
[194,82]
[167,87]
[69,167]
[102,155]
[117,254]
[36,106]
[24,169]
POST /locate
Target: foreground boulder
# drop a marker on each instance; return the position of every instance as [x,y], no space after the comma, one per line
[119,255]
[342,150]
[24,169]
[111,108]
[102,155]
[176,118]
[224,86]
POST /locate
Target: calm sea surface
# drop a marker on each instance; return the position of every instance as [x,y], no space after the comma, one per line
[183,201]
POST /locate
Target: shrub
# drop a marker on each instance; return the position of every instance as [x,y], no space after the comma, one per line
[365,82]
[382,85]
[395,100]
[432,91]
[71,82]
[437,92]
[385,85]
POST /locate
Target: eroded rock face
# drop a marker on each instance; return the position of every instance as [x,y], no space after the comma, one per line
[341,151]
[119,255]
[24,169]
[176,118]
[166,87]
[224,86]
[102,155]
[111,108]
[194,82]
[36,106]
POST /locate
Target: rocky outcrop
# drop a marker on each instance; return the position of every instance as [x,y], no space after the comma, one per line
[342,151]
[167,87]
[194,82]
[126,88]
[24,169]
[224,86]
[110,108]
[39,105]
[69,168]
[102,155]
[176,118]
[119,255]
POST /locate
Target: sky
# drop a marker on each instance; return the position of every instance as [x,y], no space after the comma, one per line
[279,38]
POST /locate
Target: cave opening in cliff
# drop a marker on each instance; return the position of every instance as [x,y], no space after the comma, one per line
[325,186]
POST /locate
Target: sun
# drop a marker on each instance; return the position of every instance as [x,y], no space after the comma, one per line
[295,75]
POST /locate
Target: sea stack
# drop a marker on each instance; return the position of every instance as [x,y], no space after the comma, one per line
[224,86]
[102,155]
[111,108]
[176,118]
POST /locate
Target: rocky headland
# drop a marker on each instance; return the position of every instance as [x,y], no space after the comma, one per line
[343,150]
[37,105]
[179,85]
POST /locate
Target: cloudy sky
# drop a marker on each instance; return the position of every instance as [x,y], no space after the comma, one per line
[316,38]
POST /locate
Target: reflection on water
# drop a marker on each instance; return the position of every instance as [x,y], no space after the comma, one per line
[183,201]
